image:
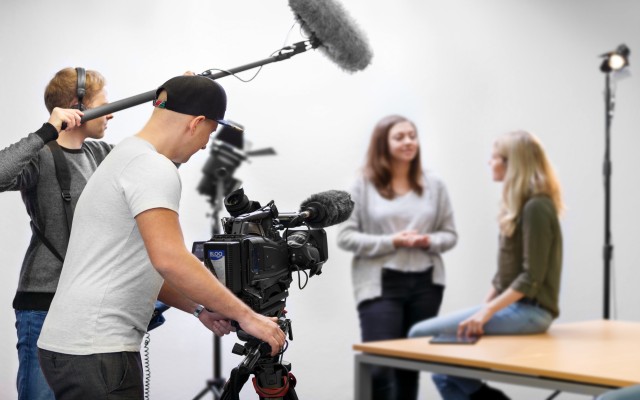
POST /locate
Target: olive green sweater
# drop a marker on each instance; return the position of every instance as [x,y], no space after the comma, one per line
[530,261]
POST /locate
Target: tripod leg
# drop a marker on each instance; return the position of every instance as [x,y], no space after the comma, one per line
[291,394]
[231,389]
[202,393]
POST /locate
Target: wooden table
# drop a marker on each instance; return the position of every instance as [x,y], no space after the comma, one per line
[583,357]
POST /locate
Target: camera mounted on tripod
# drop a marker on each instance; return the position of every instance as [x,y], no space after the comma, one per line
[255,261]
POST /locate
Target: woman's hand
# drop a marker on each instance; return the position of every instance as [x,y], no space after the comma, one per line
[422,241]
[411,239]
[404,239]
[473,326]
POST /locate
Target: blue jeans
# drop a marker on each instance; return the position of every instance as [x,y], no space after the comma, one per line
[31,383]
[626,393]
[517,318]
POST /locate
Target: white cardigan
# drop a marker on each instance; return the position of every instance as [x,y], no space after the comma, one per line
[368,233]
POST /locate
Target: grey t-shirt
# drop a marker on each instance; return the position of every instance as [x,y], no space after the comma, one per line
[108,286]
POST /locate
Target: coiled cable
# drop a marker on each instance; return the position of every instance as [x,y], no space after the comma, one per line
[147,368]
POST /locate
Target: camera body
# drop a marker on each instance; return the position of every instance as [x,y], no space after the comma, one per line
[254,260]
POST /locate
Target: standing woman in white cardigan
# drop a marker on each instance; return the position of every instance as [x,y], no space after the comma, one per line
[401,223]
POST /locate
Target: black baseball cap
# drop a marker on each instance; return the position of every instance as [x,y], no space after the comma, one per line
[195,95]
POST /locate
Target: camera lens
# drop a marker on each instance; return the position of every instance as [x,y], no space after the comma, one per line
[236,203]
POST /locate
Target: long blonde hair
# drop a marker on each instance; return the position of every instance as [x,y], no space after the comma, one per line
[528,173]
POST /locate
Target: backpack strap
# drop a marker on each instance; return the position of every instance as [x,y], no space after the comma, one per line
[64,179]
[46,242]
[63,175]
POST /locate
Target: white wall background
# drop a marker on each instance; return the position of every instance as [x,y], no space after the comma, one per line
[465,71]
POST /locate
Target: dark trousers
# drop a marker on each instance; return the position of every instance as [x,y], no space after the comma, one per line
[407,298]
[106,376]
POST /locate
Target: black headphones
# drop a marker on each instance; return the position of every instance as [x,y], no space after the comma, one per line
[80,88]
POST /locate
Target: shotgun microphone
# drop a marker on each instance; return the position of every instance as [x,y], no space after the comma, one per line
[325,209]
[329,28]
[341,40]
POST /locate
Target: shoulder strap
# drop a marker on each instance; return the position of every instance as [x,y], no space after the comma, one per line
[46,242]
[64,179]
[63,175]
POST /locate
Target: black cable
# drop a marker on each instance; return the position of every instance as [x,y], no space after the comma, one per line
[260,68]
[208,72]
[300,279]
[286,38]
[147,370]
[233,74]
[284,348]
[295,267]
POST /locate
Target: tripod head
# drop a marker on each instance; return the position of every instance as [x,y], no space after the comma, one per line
[272,376]
[254,346]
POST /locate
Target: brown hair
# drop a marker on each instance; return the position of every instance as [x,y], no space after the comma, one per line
[62,89]
[378,165]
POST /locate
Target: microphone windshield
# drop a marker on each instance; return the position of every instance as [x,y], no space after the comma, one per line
[328,208]
[340,38]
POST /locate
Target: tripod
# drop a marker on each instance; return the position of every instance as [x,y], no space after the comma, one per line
[272,378]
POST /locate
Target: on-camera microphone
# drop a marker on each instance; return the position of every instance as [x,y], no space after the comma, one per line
[341,40]
[326,208]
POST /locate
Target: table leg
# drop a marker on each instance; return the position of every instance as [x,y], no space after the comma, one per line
[362,379]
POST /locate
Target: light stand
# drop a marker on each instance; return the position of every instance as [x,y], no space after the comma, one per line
[216,384]
[613,61]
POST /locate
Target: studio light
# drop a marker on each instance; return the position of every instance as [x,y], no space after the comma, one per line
[615,60]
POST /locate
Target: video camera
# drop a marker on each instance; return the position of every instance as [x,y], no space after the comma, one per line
[255,261]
